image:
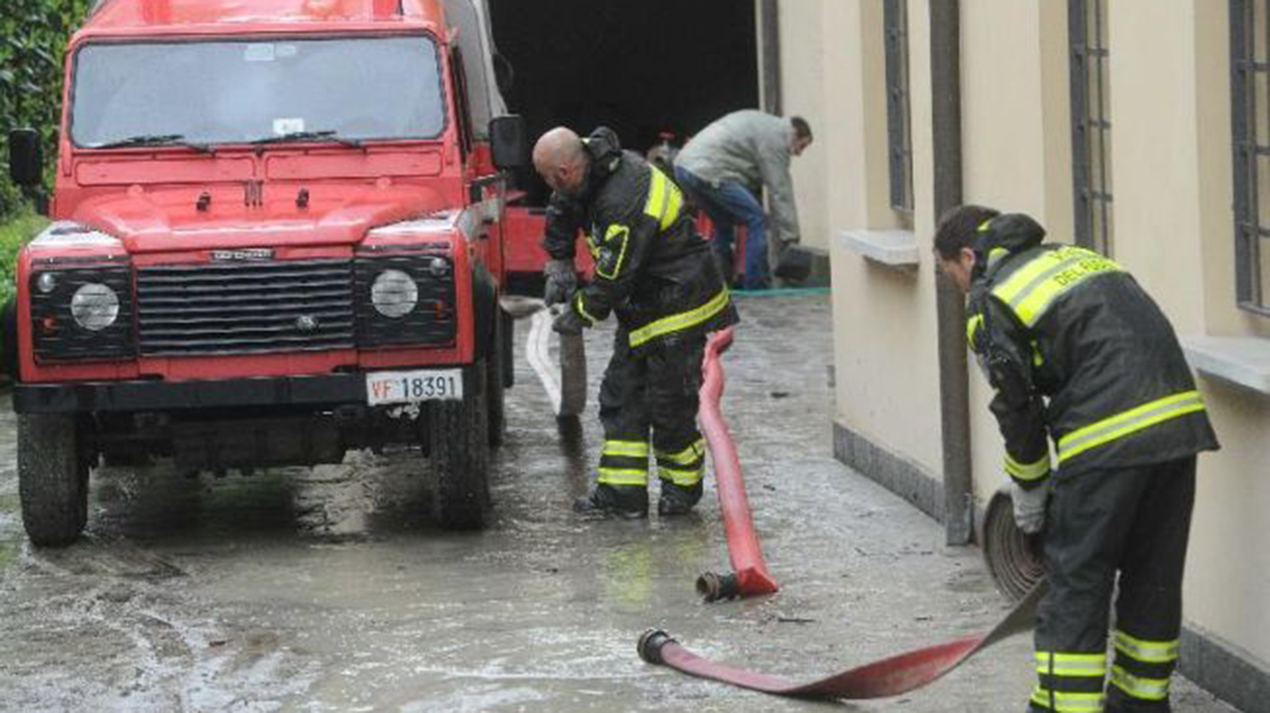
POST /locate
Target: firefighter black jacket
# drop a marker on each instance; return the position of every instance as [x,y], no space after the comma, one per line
[1078,353]
[651,268]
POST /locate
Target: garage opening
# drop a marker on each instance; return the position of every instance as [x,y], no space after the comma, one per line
[639,68]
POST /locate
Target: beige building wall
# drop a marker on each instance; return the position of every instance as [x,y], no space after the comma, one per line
[891,328]
[1171,170]
[803,94]
[1170,77]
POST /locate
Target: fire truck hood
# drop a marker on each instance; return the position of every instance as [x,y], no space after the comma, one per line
[253,216]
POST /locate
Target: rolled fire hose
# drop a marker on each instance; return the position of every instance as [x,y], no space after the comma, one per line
[565,383]
[749,573]
[1014,558]
[880,679]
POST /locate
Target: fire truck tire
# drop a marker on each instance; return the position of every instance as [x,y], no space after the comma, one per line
[459,432]
[495,387]
[52,479]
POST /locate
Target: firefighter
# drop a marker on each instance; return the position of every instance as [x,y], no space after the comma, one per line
[658,276]
[1078,354]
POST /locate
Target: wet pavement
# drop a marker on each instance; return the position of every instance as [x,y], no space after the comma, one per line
[331,589]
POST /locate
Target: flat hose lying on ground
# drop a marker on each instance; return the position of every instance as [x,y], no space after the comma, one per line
[749,573]
[880,679]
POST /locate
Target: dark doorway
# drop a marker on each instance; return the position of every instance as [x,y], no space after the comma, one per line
[639,68]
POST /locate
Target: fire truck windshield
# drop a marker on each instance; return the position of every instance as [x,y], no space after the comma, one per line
[254,91]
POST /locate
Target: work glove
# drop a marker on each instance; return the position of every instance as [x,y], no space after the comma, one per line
[569,323]
[561,282]
[1029,507]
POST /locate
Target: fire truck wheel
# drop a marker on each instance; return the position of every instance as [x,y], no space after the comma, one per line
[52,479]
[459,431]
[494,385]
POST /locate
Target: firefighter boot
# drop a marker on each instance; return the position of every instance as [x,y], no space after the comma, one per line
[677,499]
[627,501]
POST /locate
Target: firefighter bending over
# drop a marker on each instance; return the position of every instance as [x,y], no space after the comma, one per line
[659,277]
[1078,353]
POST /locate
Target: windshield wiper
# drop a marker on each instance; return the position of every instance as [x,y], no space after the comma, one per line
[296,136]
[156,140]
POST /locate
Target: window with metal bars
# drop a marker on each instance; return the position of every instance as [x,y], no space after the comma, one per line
[1250,129]
[1091,124]
[898,124]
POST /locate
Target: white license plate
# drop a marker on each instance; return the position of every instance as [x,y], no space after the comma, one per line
[404,387]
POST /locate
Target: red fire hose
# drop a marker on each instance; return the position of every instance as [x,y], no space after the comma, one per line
[749,573]
[880,679]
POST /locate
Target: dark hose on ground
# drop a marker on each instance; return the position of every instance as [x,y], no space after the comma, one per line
[1014,559]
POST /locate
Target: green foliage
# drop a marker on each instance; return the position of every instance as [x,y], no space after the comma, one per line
[14,233]
[33,36]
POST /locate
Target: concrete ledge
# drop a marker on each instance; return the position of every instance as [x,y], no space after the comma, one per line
[1244,361]
[892,248]
[1224,670]
[892,471]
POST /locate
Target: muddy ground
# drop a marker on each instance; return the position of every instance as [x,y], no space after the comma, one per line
[331,589]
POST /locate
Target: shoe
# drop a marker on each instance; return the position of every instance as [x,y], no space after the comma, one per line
[625,501]
[677,499]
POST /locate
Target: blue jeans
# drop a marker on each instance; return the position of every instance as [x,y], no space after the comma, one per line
[727,204]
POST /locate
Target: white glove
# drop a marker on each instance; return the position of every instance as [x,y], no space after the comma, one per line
[1029,507]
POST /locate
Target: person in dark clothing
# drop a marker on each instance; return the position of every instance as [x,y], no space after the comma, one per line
[659,277]
[1080,355]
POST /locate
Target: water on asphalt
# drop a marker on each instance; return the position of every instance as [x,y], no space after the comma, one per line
[330,589]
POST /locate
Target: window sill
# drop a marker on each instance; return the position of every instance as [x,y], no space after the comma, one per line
[1244,361]
[895,249]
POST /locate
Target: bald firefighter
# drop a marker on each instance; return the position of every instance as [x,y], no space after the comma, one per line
[1080,355]
[659,278]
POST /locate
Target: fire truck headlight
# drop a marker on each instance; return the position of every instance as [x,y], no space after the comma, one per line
[95,306]
[394,294]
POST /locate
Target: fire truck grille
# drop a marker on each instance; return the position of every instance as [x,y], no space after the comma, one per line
[247,308]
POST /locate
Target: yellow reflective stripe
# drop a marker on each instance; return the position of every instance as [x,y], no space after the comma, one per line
[577,302]
[655,206]
[1127,422]
[622,476]
[682,477]
[1027,471]
[1146,651]
[664,199]
[687,456]
[984,226]
[1033,305]
[1027,275]
[1068,702]
[673,205]
[613,232]
[1034,287]
[1146,689]
[681,321]
[1072,664]
[633,449]
[972,327]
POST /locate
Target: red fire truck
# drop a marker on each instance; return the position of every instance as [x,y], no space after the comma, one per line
[278,235]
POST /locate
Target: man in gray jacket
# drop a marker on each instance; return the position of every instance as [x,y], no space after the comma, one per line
[718,168]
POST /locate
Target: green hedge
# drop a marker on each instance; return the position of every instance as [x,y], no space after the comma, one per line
[14,233]
[33,35]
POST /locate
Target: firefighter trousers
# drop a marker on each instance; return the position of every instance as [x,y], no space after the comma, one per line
[652,392]
[1133,522]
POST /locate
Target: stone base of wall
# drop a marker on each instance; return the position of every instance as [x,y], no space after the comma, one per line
[1224,670]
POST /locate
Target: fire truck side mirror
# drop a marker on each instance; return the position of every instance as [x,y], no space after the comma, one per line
[509,143]
[26,157]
